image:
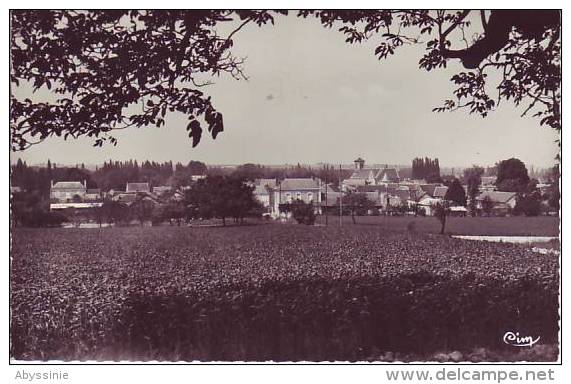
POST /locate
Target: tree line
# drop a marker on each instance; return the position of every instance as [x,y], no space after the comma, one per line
[427,169]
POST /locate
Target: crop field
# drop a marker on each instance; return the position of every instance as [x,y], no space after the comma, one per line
[272,292]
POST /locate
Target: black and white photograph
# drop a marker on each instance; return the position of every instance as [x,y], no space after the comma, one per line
[356,186]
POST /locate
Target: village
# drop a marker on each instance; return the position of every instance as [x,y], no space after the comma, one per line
[365,191]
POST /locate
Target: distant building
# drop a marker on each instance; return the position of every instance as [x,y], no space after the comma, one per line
[330,196]
[68,191]
[502,202]
[197,177]
[428,204]
[78,206]
[287,191]
[263,191]
[388,175]
[359,163]
[361,177]
[544,188]
[162,189]
[370,176]
[137,187]
[488,183]
[430,189]
[440,192]
[93,194]
[458,211]
[488,180]
[130,198]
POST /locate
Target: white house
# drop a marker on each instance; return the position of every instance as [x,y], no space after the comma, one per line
[137,187]
[68,191]
[263,191]
[428,203]
[287,191]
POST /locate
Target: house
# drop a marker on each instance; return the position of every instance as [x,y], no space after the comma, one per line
[330,196]
[428,203]
[388,175]
[488,183]
[68,191]
[137,187]
[488,180]
[162,189]
[195,178]
[501,203]
[287,191]
[458,211]
[440,192]
[544,188]
[93,194]
[130,198]
[430,189]
[372,176]
[263,191]
[361,177]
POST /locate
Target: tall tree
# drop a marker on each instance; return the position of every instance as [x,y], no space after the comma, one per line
[554,194]
[473,179]
[358,204]
[456,193]
[220,197]
[512,176]
[441,211]
[142,208]
[427,169]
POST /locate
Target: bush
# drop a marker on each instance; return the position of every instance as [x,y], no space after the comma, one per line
[529,205]
[40,218]
[303,213]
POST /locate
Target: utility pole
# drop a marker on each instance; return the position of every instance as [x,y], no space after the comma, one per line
[280,200]
[324,206]
[340,198]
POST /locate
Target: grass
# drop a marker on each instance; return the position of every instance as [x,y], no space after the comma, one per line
[499,226]
[270,292]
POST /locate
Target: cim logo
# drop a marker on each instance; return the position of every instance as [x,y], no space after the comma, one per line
[514,339]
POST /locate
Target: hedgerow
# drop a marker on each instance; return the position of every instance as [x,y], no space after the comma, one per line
[273,292]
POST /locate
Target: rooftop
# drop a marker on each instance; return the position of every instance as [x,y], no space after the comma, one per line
[299,184]
[496,196]
[138,187]
[440,191]
[68,185]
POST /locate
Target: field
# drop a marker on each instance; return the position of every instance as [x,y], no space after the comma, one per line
[498,226]
[274,292]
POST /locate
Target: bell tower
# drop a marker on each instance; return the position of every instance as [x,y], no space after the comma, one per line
[359,163]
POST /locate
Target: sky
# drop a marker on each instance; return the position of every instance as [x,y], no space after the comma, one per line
[313,98]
